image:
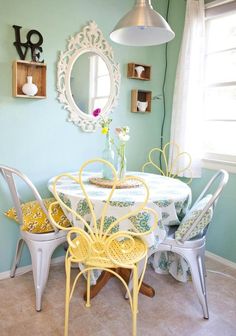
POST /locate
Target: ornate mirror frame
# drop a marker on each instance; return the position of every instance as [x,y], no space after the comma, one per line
[90,39]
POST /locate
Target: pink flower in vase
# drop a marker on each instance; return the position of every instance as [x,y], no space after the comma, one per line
[96,112]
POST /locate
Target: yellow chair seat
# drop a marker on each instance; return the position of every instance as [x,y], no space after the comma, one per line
[120,253]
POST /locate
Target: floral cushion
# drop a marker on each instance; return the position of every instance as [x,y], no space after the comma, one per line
[35,220]
[191,216]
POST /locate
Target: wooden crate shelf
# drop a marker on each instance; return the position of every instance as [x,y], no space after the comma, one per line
[145,74]
[20,70]
[143,96]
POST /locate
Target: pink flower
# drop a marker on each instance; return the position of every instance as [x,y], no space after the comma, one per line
[96,112]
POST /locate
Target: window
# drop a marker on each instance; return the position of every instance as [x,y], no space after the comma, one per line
[220,83]
[99,83]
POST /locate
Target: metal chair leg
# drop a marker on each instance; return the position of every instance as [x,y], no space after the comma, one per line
[202,269]
[135,300]
[67,300]
[19,248]
[88,289]
[198,277]
[41,254]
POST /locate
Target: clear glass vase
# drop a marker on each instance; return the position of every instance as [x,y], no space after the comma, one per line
[108,155]
[121,162]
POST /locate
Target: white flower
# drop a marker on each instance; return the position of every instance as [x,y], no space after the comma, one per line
[122,133]
[123,137]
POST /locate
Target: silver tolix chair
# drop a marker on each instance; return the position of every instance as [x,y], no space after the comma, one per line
[193,250]
[41,245]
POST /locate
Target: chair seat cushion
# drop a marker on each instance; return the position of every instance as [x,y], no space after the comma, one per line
[35,220]
[191,216]
[121,253]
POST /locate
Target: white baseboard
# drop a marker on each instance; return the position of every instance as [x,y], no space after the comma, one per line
[28,268]
[221,260]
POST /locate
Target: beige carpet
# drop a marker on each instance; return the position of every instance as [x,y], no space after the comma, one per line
[174,310]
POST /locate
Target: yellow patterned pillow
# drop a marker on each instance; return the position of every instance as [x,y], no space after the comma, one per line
[35,220]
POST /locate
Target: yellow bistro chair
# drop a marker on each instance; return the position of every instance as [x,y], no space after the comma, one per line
[97,247]
[169,170]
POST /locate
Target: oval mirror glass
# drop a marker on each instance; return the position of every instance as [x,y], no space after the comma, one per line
[94,92]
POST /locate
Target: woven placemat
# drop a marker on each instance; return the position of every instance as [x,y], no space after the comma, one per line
[101,182]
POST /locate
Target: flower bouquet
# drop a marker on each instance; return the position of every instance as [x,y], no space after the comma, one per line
[108,153]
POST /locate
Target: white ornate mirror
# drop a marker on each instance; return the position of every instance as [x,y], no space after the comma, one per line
[88,77]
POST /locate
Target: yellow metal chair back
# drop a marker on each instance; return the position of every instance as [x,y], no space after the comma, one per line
[98,247]
[169,170]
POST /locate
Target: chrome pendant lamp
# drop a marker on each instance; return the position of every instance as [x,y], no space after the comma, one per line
[142,26]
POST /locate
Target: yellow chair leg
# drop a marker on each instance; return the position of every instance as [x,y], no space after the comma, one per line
[135,300]
[67,301]
[88,289]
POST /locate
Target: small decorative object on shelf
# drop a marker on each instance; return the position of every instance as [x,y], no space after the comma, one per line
[29,88]
[123,135]
[23,69]
[141,101]
[142,106]
[107,153]
[139,71]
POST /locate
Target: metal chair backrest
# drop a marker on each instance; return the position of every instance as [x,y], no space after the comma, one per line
[166,169]
[218,182]
[9,174]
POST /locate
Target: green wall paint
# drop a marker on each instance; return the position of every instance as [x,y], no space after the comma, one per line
[34,134]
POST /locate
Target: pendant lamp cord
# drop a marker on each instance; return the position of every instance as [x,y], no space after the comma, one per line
[164,87]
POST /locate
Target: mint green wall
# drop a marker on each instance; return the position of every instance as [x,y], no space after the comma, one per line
[34,134]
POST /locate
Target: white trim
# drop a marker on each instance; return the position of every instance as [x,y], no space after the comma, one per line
[220,157]
[221,260]
[217,3]
[28,268]
[221,84]
[218,164]
[219,10]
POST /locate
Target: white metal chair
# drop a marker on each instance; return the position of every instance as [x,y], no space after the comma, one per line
[193,249]
[41,245]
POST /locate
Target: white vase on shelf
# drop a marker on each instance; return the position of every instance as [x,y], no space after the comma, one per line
[29,88]
[139,69]
[142,106]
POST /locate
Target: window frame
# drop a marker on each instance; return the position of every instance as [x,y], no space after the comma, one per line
[93,77]
[212,160]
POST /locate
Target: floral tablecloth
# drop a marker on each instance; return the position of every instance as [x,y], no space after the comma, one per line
[169,197]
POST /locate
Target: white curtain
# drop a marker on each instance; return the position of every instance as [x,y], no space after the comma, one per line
[187,111]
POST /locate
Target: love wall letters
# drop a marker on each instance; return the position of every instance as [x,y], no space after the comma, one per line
[22,47]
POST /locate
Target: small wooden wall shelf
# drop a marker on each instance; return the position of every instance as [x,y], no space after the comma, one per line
[20,71]
[142,96]
[133,73]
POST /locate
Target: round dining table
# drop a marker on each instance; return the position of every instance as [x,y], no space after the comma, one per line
[169,197]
